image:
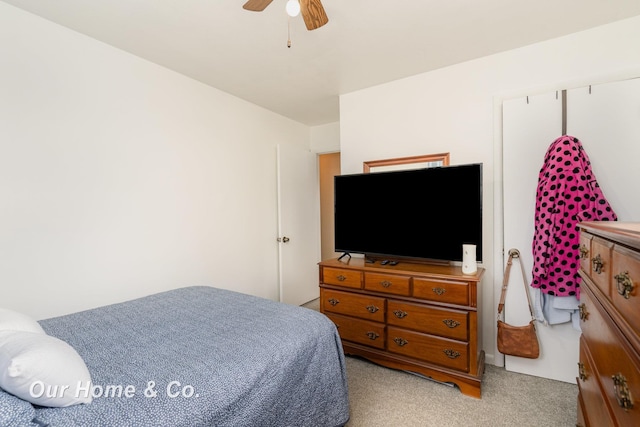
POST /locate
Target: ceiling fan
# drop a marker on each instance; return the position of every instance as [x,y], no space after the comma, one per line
[312,11]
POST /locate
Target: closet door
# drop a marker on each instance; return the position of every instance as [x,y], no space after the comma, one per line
[530,125]
[606,119]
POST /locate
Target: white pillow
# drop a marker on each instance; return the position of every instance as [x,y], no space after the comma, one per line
[13,321]
[43,370]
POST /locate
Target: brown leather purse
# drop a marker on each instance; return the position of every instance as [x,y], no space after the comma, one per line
[521,341]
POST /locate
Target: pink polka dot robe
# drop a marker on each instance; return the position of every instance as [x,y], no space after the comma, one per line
[567,194]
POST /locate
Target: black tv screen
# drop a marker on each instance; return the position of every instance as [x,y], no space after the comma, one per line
[424,214]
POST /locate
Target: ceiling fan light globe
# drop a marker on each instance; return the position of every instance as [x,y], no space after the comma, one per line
[293,8]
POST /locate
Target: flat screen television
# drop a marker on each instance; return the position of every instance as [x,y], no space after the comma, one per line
[421,214]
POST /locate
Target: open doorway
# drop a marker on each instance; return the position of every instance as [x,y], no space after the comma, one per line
[329,166]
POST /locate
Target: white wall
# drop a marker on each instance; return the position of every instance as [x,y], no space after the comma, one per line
[325,138]
[119,178]
[452,110]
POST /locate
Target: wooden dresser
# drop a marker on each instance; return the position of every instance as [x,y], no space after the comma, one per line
[414,317]
[609,366]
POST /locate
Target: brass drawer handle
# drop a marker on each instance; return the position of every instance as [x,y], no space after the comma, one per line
[334,301]
[584,252]
[584,314]
[400,341]
[451,323]
[372,308]
[372,335]
[341,278]
[597,264]
[622,392]
[582,374]
[438,291]
[624,284]
[451,354]
[385,283]
[400,314]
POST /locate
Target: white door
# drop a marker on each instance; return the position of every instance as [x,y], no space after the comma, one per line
[605,118]
[530,125]
[298,225]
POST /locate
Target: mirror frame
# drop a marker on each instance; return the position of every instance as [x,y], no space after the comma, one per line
[429,158]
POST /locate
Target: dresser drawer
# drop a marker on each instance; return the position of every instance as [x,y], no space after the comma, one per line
[362,306]
[597,414]
[625,269]
[359,331]
[601,264]
[585,252]
[440,351]
[442,291]
[580,417]
[387,283]
[612,361]
[342,277]
[436,321]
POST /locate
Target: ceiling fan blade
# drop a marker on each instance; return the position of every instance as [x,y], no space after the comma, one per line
[313,14]
[256,5]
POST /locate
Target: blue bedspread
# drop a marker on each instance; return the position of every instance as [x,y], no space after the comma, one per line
[211,357]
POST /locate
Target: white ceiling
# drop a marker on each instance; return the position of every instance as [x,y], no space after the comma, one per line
[365,43]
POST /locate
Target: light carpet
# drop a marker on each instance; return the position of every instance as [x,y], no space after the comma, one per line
[382,397]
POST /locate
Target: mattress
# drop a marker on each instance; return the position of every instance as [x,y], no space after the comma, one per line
[203,356]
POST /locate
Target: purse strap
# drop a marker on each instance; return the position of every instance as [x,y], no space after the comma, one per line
[514,253]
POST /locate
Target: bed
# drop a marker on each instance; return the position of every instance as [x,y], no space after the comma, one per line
[202,356]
